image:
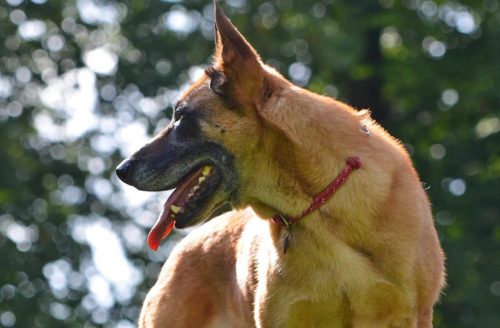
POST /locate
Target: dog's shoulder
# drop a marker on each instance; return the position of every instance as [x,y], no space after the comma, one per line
[198,264]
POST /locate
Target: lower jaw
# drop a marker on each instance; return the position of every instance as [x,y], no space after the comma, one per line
[185,223]
[202,216]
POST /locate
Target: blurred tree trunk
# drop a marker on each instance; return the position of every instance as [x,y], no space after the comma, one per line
[367,93]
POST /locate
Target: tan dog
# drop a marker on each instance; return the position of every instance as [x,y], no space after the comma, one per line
[369,256]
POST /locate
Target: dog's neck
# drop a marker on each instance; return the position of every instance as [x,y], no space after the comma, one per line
[352,163]
[300,170]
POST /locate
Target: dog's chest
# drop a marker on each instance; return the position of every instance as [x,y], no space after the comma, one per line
[289,303]
[289,288]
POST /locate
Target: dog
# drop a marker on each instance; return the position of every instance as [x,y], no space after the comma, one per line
[329,227]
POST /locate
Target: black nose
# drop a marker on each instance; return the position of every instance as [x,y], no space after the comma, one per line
[123,170]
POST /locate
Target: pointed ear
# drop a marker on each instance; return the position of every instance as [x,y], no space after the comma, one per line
[230,44]
[234,56]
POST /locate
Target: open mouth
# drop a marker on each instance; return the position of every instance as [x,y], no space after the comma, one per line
[185,203]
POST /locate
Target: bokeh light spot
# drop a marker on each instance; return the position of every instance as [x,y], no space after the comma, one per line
[101,61]
[449,97]
[299,73]
[495,288]
[32,29]
[390,38]
[180,21]
[487,126]
[438,151]
[8,319]
[59,311]
[457,187]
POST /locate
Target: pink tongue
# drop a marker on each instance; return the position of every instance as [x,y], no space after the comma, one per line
[165,222]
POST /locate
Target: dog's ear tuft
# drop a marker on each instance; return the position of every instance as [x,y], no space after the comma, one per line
[218,81]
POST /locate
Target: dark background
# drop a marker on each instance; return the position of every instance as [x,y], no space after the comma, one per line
[82,83]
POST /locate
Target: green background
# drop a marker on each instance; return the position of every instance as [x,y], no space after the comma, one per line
[428,70]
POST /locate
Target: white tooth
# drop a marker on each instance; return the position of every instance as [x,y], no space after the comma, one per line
[196,188]
[175,209]
[201,179]
[191,194]
[206,170]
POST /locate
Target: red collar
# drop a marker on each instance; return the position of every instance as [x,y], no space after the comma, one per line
[352,163]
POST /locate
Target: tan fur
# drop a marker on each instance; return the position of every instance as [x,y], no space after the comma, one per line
[369,257]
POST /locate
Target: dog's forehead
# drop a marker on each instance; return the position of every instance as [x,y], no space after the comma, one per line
[199,91]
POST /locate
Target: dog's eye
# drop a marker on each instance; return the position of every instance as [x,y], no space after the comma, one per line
[180,111]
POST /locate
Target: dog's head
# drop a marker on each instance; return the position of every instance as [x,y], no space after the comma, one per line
[208,150]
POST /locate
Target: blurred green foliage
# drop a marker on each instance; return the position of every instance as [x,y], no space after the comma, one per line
[82,79]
